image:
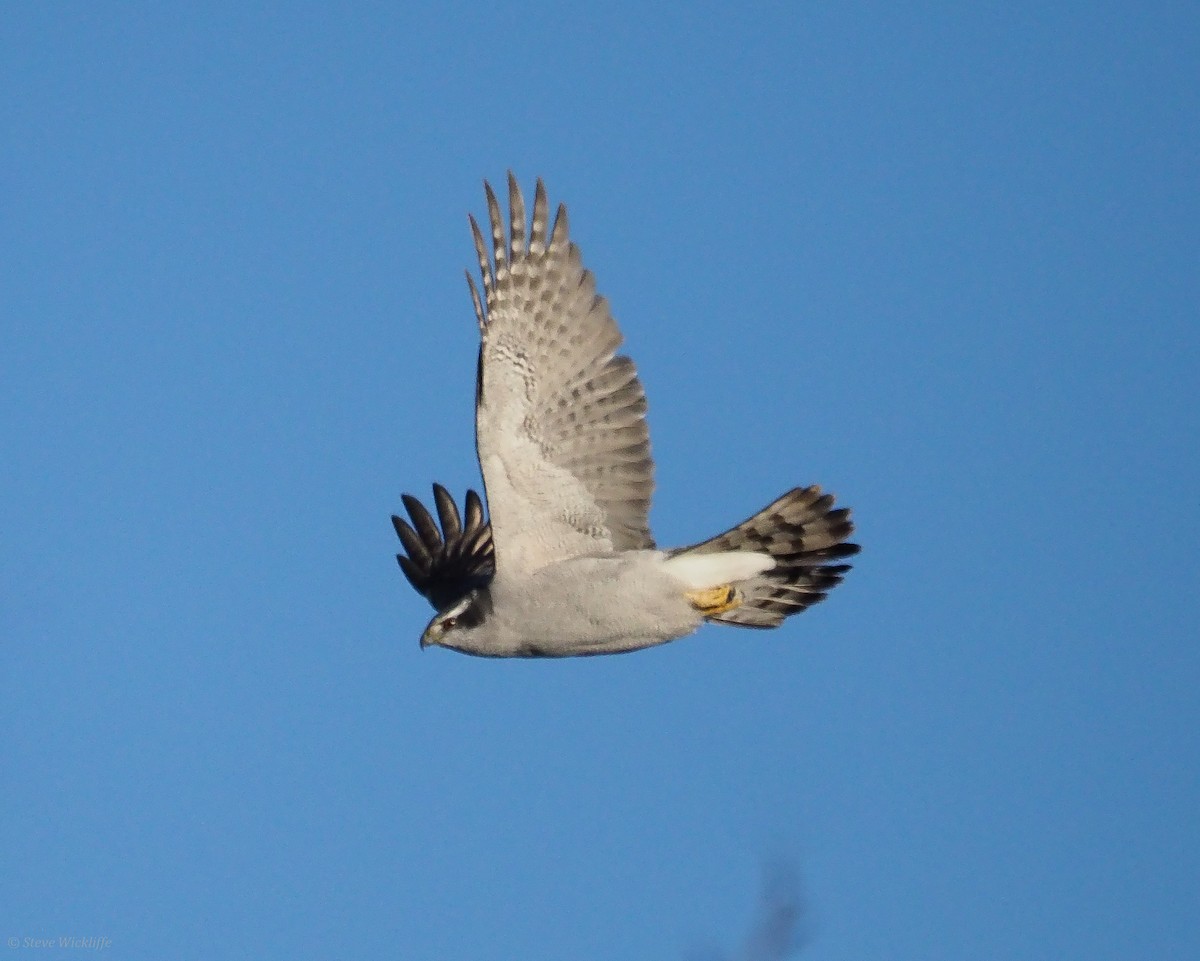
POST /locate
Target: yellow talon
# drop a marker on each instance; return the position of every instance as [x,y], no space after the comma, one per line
[712,601]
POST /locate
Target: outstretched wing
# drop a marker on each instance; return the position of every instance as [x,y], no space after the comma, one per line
[445,564]
[560,418]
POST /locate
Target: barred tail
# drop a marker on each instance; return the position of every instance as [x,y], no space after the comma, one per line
[803,533]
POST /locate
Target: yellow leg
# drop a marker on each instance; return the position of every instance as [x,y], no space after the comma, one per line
[712,601]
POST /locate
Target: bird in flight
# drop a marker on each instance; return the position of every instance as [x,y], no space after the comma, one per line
[564,564]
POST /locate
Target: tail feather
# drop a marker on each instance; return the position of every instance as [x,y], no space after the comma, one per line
[803,532]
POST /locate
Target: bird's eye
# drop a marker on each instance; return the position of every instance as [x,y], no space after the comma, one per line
[449,622]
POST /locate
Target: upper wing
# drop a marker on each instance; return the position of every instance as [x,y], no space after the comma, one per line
[560,418]
[444,565]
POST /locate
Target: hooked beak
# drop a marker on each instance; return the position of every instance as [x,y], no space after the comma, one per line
[431,635]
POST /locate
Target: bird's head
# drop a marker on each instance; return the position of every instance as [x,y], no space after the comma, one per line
[454,626]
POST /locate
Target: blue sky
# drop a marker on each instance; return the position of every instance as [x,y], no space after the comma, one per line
[942,259]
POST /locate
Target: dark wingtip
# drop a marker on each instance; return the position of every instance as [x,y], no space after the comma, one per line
[442,564]
[447,513]
[414,544]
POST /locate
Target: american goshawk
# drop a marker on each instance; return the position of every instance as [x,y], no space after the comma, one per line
[565,564]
